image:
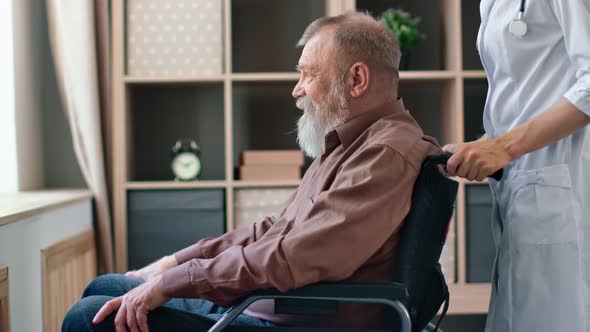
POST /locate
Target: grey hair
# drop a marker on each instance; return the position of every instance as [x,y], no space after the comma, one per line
[360,37]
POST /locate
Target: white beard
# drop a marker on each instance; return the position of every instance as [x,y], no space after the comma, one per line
[318,120]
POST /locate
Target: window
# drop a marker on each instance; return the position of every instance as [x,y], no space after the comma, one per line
[8,161]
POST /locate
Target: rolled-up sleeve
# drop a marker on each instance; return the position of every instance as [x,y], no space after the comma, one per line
[212,246]
[333,235]
[574,19]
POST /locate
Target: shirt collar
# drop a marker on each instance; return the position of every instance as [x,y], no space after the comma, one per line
[331,141]
[349,131]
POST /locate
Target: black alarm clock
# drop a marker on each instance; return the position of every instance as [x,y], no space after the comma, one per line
[186,160]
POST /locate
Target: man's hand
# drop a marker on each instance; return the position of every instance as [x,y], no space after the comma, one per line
[133,307]
[154,269]
[476,160]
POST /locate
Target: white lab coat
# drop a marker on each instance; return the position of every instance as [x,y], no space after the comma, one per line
[541,218]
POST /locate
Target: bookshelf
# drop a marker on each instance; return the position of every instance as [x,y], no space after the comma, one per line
[249,106]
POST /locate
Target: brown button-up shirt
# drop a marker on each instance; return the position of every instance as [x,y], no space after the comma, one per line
[342,223]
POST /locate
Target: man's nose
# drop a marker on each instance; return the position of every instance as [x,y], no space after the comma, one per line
[298,91]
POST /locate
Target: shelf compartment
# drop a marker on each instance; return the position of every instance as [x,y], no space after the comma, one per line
[160,115]
[164,221]
[462,322]
[470,21]
[428,54]
[474,98]
[480,247]
[424,100]
[251,32]
[255,106]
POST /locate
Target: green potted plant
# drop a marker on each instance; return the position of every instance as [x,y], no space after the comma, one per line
[405,28]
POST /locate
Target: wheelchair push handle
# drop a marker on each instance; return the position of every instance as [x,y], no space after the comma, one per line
[441,159]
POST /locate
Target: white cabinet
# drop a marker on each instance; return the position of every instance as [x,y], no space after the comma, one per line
[28,235]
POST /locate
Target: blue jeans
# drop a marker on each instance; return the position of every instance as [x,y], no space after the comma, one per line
[193,315]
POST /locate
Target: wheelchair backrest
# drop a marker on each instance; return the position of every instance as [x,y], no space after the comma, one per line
[422,238]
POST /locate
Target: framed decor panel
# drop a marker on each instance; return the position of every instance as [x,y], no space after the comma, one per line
[4,300]
[174,38]
[67,268]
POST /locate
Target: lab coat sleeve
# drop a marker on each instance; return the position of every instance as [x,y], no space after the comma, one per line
[574,19]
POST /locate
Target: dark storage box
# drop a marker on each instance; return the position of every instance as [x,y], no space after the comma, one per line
[480,242]
[162,222]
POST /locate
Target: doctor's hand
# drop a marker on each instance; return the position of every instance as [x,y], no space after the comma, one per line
[154,269]
[476,160]
[133,307]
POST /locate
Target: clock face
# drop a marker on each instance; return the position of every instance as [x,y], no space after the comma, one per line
[186,166]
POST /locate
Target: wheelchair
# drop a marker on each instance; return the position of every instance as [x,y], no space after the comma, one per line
[418,287]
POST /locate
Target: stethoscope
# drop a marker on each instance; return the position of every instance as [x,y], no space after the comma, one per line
[518,26]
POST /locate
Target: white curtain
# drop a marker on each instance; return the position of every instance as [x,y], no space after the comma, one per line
[78,31]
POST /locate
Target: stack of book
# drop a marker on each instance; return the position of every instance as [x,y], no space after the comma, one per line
[271,165]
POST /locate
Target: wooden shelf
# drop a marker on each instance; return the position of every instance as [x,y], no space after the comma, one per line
[418,75]
[172,79]
[245,77]
[427,75]
[467,299]
[152,185]
[22,205]
[265,184]
[474,74]
[147,185]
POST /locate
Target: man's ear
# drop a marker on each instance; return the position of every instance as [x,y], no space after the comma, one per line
[359,78]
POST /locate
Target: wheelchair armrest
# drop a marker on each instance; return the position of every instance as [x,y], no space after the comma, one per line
[389,290]
[392,294]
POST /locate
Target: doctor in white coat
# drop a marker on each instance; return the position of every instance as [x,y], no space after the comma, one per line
[537,59]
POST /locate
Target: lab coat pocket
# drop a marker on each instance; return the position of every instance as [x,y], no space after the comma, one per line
[544,266]
[542,209]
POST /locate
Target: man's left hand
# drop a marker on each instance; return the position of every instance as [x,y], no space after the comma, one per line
[133,307]
[476,160]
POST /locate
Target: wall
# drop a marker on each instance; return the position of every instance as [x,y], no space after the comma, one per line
[60,165]
[28,94]
[45,152]
[8,156]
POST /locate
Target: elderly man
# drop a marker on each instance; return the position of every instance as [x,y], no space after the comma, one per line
[342,224]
